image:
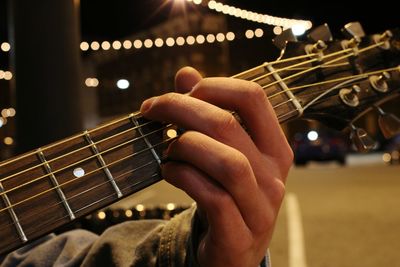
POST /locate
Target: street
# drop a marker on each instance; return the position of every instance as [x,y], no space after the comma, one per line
[332,215]
[350,217]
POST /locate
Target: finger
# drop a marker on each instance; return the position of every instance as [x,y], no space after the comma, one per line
[223,216]
[229,167]
[186,78]
[213,121]
[251,103]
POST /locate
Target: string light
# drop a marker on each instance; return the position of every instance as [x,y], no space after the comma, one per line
[200,39]
[171,41]
[8,141]
[190,40]
[105,45]
[127,44]
[180,41]
[148,43]
[249,34]
[257,17]
[5,47]
[117,45]
[210,38]
[84,46]
[277,30]
[95,45]
[92,82]
[159,42]
[220,37]
[138,44]
[6,75]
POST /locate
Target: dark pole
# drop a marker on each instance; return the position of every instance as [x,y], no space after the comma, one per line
[45,57]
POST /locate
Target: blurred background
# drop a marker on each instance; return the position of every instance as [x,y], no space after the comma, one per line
[69,65]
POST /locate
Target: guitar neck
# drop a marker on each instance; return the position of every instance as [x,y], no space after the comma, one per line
[47,188]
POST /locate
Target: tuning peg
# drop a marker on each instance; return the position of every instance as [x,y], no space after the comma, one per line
[388,123]
[354,30]
[321,33]
[318,47]
[383,39]
[286,36]
[361,139]
[350,95]
[379,82]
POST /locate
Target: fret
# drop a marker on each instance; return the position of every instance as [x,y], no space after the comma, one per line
[287,91]
[13,215]
[282,99]
[103,164]
[148,144]
[55,183]
[132,164]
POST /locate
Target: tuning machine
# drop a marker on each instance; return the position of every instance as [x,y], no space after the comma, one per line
[388,123]
[379,82]
[350,95]
[283,38]
[383,39]
[355,32]
[361,139]
[321,33]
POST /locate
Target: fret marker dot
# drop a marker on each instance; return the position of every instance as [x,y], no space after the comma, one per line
[79,172]
[171,133]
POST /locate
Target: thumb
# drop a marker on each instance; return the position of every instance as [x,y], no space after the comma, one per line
[186,78]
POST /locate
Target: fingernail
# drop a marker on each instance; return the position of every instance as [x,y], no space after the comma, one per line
[146,105]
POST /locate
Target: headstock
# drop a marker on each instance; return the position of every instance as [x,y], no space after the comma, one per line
[339,81]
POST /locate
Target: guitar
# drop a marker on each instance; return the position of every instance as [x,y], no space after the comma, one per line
[333,81]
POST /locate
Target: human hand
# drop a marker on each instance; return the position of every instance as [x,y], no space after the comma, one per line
[236,176]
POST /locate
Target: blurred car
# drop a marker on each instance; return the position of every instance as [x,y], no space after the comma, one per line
[317,145]
[391,153]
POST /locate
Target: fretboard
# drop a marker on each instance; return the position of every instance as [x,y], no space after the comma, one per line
[51,186]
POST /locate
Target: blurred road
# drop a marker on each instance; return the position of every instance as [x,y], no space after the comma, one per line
[339,216]
[350,216]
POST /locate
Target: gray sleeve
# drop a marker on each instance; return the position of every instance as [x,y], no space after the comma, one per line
[133,243]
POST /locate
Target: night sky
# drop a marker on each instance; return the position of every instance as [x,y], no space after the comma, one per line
[101,19]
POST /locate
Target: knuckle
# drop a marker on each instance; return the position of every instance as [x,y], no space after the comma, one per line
[289,156]
[168,99]
[276,193]
[236,166]
[226,125]
[256,92]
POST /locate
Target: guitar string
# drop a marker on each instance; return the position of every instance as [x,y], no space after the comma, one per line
[45,148]
[73,163]
[314,68]
[293,67]
[366,74]
[72,180]
[69,139]
[235,76]
[74,151]
[129,116]
[39,226]
[88,190]
[93,156]
[91,172]
[279,118]
[137,113]
[142,137]
[22,219]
